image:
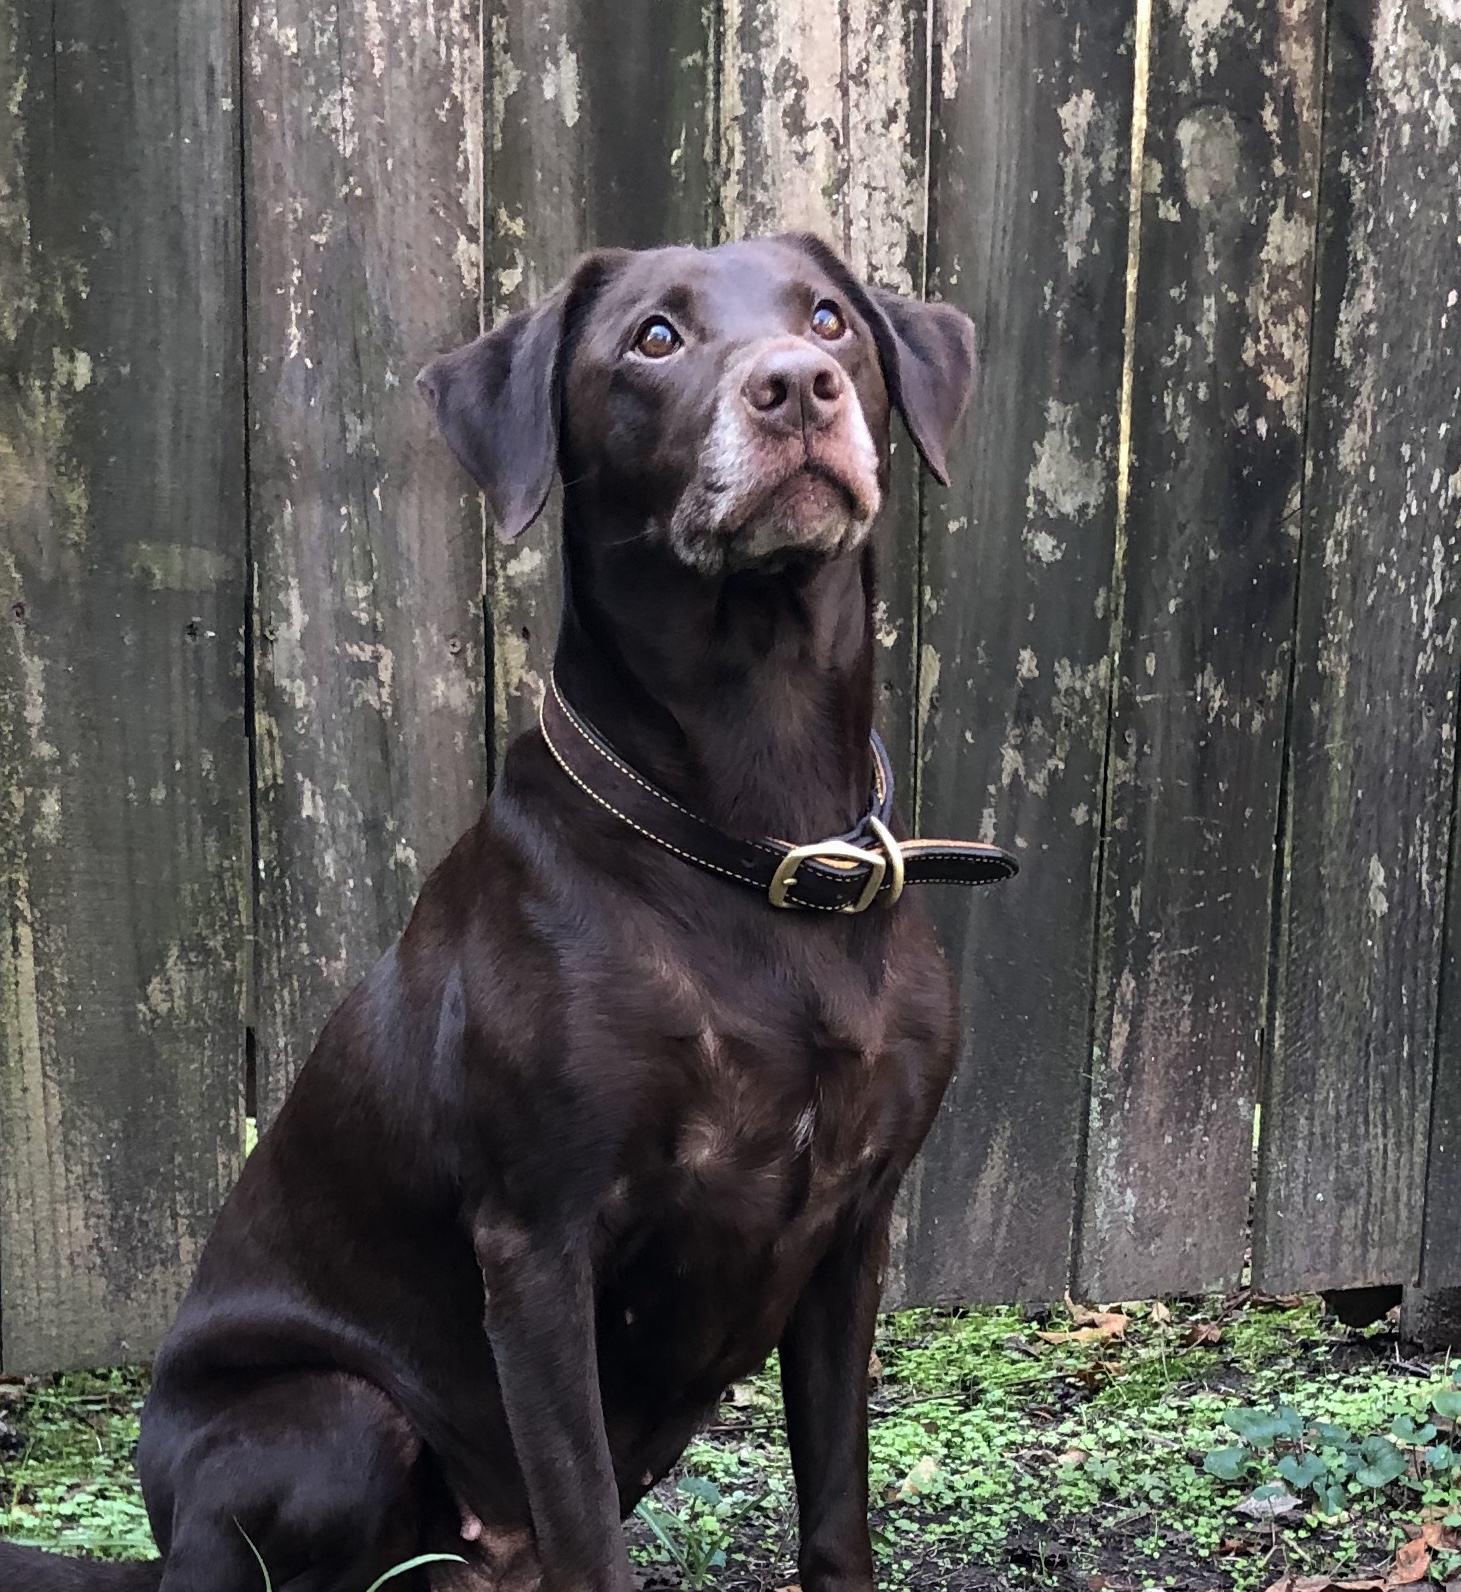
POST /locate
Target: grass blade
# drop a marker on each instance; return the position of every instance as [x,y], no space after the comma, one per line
[268,1579]
[414,1564]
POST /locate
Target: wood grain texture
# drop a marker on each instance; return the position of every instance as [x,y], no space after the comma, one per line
[123,763]
[601,134]
[1030,166]
[1440,1272]
[364,189]
[823,129]
[1346,1115]
[1209,560]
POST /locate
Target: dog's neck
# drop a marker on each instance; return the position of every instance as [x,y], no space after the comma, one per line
[746,697]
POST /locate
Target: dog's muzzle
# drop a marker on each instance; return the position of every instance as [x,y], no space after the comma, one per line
[789,465]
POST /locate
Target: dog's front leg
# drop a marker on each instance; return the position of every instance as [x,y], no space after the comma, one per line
[540,1322]
[824,1358]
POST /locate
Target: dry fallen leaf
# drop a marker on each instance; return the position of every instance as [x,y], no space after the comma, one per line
[1412,1560]
[1080,1335]
[1160,1314]
[1268,1507]
[1238,1545]
[1204,1333]
[920,1478]
[1097,1373]
[1106,1328]
[1078,1313]
[1105,1323]
[874,1370]
[1072,1456]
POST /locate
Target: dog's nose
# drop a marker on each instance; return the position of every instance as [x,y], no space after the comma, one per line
[792,390]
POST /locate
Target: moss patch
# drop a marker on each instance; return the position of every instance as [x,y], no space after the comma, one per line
[1000,1458]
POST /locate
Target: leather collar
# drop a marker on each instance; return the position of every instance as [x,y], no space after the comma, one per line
[846,873]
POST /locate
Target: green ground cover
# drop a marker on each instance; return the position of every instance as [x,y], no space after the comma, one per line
[1206,1444]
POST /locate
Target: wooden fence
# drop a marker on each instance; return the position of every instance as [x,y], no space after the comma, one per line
[1183,630]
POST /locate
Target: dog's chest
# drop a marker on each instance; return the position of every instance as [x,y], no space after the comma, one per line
[753,1120]
[765,1088]
[711,1238]
[757,1135]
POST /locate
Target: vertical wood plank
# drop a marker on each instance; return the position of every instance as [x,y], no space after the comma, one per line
[601,134]
[823,130]
[884,216]
[123,763]
[364,192]
[1209,563]
[1348,1103]
[1441,1252]
[1440,1271]
[1029,198]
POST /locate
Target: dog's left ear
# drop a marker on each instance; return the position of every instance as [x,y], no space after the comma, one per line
[496,400]
[928,353]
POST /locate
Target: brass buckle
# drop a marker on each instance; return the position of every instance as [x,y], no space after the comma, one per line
[840,850]
[895,857]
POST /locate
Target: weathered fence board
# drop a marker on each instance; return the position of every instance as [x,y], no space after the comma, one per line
[1373,725]
[1209,556]
[1029,187]
[1441,1251]
[123,763]
[601,135]
[364,189]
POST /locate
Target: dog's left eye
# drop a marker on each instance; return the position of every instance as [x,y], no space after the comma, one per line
[827,321]
[656,339]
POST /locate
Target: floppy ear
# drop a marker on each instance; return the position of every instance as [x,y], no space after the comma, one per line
[928,353]
[929,356]
[496,401]
[495,404]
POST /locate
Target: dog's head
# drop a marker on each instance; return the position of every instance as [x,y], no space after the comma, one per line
[734,400]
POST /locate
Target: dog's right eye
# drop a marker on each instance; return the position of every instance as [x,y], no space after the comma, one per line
[656,338]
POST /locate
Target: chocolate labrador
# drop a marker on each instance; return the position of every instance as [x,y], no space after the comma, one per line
[626,1107]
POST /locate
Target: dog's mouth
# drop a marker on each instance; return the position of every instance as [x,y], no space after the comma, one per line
[813,508]
[808,494]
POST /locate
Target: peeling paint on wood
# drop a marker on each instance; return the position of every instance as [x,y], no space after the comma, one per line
[1029,206]
[786,121]
[1231,164]
[1343,1170]
[123,774]
[365,191]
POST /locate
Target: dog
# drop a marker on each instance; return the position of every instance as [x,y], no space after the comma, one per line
[627,1105]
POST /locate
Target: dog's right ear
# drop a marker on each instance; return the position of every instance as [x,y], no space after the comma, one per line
[496,401]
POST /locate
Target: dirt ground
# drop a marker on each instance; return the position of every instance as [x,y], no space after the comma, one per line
[1125,1449]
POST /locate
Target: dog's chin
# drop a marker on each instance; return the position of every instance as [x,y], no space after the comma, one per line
[809,517]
